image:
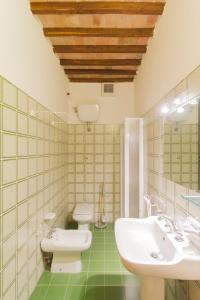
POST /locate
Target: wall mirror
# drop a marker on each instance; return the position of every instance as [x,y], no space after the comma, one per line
[181,140]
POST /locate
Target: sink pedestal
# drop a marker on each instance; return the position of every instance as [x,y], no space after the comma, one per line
[152,288]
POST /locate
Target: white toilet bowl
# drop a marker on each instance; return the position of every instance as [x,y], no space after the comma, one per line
[66,246]
[83,214]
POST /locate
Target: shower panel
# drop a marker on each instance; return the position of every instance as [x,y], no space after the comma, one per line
[132,168]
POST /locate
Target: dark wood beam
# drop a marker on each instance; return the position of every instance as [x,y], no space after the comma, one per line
[98,32]
[101,79]
[100,62]
[99,72]
[112,7]
[100,49]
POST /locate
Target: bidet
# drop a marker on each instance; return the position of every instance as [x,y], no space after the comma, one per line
[66,246]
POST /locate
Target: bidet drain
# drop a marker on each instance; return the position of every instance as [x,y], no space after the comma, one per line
[154,255]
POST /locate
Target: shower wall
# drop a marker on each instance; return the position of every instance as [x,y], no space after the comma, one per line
[33,181]
[132,168]
[93,158]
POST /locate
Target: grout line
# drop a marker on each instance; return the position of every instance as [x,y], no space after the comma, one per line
[66,292]
[88,268]
[50,281]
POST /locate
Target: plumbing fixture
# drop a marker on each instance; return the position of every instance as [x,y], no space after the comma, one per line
[169,223]
[51,233]
[88,113]
[83,214]
[66,246]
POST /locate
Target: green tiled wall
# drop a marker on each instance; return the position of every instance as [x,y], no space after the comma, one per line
[33,182]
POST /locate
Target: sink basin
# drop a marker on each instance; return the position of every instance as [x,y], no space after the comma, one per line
[146,248]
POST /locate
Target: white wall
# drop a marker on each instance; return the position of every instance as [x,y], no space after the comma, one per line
[26,56]
[112,109]
[172,54]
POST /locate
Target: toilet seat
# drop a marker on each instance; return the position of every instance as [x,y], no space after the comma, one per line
[82,218]
[83,209]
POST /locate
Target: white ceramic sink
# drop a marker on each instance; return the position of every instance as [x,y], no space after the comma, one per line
[146,248]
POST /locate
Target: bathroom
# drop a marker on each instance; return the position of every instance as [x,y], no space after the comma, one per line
[53,163]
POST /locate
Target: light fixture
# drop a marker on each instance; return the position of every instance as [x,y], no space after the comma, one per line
[193,101]
[165,109]
[180,110]
[177,101]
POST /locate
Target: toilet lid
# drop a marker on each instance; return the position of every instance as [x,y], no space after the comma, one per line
[83,209]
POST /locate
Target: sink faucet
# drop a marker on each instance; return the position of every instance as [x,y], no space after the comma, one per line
[170,223]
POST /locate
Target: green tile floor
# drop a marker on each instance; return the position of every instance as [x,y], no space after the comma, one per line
[103,276]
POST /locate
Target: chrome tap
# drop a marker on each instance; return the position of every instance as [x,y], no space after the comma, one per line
[170,223]
[51,232]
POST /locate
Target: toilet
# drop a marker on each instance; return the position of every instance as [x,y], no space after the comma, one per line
[83,214]
[66,246]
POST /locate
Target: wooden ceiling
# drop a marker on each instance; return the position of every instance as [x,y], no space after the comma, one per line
[99,41]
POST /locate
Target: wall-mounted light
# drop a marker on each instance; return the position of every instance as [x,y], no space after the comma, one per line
[177,101]
[193,101]
[180,110]
[165,109]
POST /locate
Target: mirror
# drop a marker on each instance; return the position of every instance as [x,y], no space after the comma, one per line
[181,142]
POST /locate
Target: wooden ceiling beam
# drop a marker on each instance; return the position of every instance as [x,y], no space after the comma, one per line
[100,49]
[100,62]
[98,32]
[99,72]
[93,7]
[100,79]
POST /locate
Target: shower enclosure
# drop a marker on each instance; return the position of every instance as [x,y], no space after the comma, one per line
[132,168]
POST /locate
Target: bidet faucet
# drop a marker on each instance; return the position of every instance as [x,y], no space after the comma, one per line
[50,234]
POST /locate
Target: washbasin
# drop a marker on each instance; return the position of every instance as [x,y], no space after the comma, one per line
[147,248]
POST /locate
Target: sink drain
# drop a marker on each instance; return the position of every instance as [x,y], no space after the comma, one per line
[157,255]
[154,255]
